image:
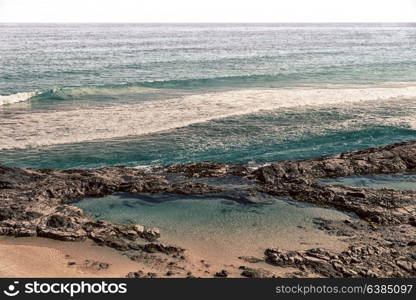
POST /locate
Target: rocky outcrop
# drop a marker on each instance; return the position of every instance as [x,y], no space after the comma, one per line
[38,203]
[395,158]
[359,260]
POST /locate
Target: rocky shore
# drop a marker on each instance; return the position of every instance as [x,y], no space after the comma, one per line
[381,239]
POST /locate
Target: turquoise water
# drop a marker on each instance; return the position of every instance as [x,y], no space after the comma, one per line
[95,95]
[396,181]
[214,222]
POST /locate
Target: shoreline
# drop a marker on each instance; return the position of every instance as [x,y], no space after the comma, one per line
[379,243]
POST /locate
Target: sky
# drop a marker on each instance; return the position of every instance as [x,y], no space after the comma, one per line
[207,11]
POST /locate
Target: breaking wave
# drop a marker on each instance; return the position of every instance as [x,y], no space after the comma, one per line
[18,97]
[197,84]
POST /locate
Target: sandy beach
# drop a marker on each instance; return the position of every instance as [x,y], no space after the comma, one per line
[40,257]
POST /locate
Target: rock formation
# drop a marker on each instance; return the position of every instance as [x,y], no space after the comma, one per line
[38,203]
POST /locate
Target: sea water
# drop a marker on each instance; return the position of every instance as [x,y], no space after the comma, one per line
[93,95]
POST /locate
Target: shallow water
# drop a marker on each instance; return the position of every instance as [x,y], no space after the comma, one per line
[216,223]
[395,181]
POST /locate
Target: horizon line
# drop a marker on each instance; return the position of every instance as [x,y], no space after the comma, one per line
[216,22]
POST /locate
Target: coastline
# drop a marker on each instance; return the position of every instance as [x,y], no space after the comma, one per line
[37,204]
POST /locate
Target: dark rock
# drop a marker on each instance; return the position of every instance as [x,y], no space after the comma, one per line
[151,275]
[6,213]
[222,273]
[138,274]
[256,273]
[153,248]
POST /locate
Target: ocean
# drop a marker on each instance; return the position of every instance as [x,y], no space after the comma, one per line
[95,95]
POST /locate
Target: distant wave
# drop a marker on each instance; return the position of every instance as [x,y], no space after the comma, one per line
[204,84]
[60,127]
[73,93]
[77,93]
[226,81]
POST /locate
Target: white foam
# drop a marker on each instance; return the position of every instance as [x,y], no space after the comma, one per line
[49,128]
[18,97]
[405,121]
